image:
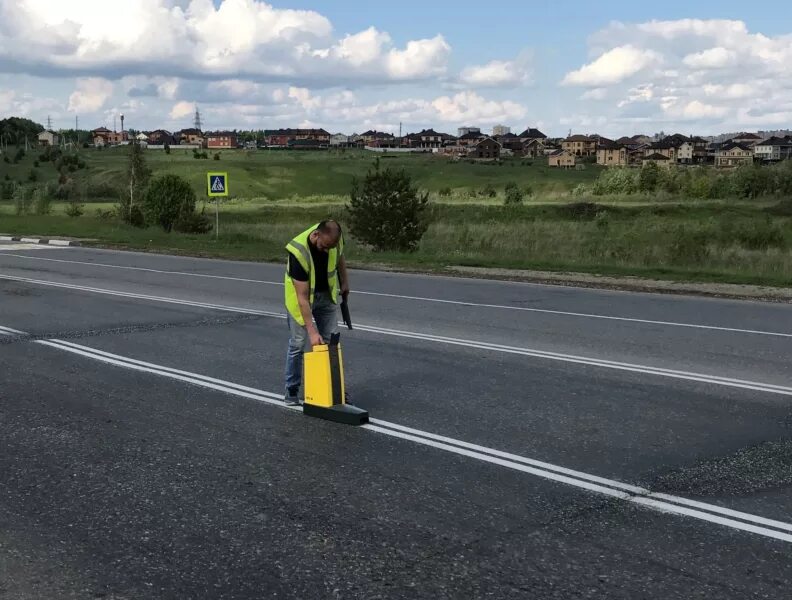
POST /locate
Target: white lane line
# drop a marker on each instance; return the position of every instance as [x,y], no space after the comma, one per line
[660,502]
[435,300]
[534,353]
[9,331]
[6,250]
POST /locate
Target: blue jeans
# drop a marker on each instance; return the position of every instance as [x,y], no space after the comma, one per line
[326,318]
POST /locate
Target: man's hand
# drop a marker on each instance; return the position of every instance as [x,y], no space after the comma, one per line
[345,289]
[315,338]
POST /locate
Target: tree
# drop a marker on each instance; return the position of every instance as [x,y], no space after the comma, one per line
[513,194]
[169,198]
[648,177]
[387,211]
[138,176]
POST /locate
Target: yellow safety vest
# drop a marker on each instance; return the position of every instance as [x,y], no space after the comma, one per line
[298,248]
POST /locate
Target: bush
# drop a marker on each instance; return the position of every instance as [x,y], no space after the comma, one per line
[688,247]
[7,190]
[217,156]
[75,209]
[616,180]
[488,191]
[42,201]
[760,235]
[513,194]
[105,215]
[386,211]
[35,164]
[168,198]
[649,177]
[446,191]
[193,223]
[584,211]
[167,148]
[33,176]
[20,154]
[23,199]
[6,159]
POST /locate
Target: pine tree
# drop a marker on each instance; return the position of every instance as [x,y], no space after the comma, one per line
[386,211]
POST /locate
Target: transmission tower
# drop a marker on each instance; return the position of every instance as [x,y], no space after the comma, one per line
[197,122]
[49,123]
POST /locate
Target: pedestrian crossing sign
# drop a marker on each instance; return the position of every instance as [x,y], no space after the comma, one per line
[217,184]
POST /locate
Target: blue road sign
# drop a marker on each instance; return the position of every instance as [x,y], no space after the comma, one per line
[217,184]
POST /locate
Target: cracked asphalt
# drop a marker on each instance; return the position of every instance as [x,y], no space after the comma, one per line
[126,484]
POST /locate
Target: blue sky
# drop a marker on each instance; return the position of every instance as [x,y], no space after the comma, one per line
[613,68]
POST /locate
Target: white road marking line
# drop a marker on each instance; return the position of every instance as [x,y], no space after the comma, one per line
[9,331]
[24,246]
[435,300]
[534,353]
[600,485]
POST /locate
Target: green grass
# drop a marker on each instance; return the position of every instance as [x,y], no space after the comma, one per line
[303,177]
[714,242]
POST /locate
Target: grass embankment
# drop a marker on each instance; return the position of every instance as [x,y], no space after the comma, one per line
[711,242]
[306,177]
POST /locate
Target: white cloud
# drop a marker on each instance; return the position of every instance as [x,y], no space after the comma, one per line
[498,73]
[91,95]
[613,66]
[712,58]
[690,71]
[421,58]
[242,39]
[182,109]
[469,107]
[594,94]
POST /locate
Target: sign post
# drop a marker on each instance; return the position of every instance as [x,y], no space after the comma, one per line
[217,186]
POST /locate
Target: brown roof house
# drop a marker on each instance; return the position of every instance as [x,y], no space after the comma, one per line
[612,154]
[580,145]
[733,155]
[486,149]
[563,159]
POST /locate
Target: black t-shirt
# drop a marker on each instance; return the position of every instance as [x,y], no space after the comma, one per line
[320,259]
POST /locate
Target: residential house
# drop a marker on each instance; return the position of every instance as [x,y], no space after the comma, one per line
[732,154]
[533,134]
[142,138]
[104,137]
[522,148]
[280,138]
[469,139]
[669,149]
[774,149]
[746,139]
[378,139]
[429,138]
[99,136]
[563,159]
[221,139]
[48,138]
[160,137]
[465,130]
[580,145]
[486,149]
[307,144]
[612,154]
[656,158]
[339,140]
[191,136]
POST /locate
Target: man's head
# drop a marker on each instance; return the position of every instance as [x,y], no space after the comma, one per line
[327,235]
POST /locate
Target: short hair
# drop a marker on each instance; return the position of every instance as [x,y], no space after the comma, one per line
[330,227]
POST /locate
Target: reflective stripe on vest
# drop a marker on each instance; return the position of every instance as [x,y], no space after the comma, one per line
[298,248]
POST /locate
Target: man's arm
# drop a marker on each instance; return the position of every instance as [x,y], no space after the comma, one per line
[344,274]
[304,302]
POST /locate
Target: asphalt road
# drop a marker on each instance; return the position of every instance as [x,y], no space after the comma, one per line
[528,441]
